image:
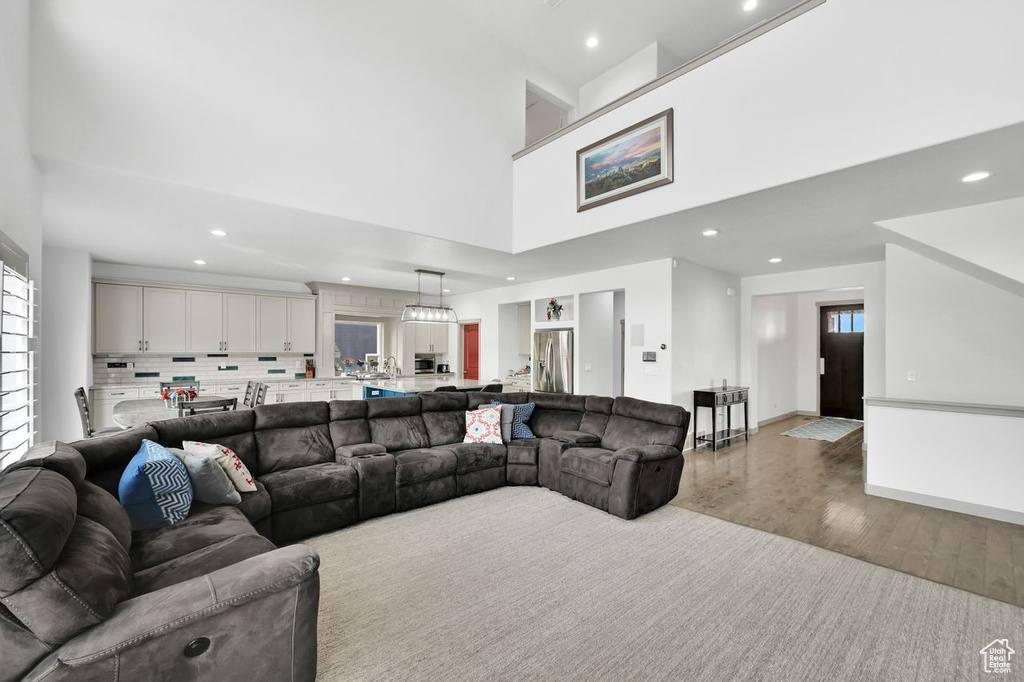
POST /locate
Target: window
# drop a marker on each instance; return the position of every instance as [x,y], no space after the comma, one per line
[355,340]
[846,321]
[17,376]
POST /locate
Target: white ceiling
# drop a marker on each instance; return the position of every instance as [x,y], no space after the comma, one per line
[556,38]
[823,221]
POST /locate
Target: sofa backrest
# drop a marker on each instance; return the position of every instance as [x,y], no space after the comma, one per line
[556,412]
[397,423]
[639,422]
[292,435]
[444,416]
[60,572]
[595,418]
[477,398]
[107,456]
[231,429]
[348,423]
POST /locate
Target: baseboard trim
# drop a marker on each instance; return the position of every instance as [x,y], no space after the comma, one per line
[982,510]
[772,420]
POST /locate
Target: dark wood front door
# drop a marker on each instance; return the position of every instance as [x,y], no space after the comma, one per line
[471,352]
[842,361]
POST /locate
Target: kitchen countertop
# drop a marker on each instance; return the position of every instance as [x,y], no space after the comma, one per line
[423,384]
[146,382]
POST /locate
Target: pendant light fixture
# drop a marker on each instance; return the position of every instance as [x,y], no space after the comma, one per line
[418,312]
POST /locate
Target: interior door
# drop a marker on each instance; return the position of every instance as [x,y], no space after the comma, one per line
[841,361]
[471,352]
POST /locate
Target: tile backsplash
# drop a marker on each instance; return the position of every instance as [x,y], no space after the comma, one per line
[210,368]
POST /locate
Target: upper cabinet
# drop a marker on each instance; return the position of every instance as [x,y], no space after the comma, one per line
[301,325]
[132,319]
[438,338]
[118,319]
[427,337]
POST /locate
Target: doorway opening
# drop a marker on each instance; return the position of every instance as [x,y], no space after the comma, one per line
[545,114]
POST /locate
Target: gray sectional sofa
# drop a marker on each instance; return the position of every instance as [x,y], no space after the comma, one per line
[82,597]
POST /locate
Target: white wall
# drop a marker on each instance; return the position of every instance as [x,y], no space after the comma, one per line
[648,302]
[836,87]
[705,324]
[621,79]
[66,322]
[280,104]
[869,276]
[775,326]
[918,456]
[618,314]
[961,336]
[596,343]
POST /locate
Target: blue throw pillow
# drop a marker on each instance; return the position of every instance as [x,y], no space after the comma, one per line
[155,489]
[520,415]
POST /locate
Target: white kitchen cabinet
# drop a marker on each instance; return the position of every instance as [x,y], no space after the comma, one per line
[118,318]
[525,345]
[163,320]
[205,312]
[421,343]
[273,324]
[239,328]
[301,325]
[438,338]
[102,402]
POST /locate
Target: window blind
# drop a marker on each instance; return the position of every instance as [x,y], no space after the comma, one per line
[17,371]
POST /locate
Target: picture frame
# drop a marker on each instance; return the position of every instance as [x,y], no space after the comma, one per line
[633,160]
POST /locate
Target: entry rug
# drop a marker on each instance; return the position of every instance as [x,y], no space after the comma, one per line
[829,428]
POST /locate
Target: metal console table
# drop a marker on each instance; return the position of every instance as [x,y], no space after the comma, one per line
[714,398]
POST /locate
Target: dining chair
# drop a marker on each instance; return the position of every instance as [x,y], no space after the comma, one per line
[492,388]
[83,411]
[261,395]
[250,393]
[166,385]
[445,389]
[188,408]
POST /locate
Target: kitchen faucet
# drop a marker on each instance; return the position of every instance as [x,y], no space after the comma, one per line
[391,366]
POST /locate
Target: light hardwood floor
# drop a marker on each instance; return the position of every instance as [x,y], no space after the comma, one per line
[813,491]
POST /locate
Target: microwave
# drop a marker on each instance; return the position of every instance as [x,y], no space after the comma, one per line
[424,365]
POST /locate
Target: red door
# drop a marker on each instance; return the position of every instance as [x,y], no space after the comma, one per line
[471,351]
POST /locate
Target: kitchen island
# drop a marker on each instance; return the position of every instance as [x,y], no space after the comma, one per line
[406,386]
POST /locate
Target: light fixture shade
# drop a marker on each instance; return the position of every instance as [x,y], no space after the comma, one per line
[433,314]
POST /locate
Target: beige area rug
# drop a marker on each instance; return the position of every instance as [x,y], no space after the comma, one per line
[525,584]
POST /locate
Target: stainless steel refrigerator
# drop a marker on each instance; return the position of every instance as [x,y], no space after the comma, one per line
[552,361]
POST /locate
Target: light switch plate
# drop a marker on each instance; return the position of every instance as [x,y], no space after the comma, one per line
[587,367]
[911,375]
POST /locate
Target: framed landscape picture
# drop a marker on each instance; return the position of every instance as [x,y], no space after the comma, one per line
[631,161]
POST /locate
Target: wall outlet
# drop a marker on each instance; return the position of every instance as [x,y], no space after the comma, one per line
[911,375]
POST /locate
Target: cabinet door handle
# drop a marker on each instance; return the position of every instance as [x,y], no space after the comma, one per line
[225,345]
[147,346]
[140,345]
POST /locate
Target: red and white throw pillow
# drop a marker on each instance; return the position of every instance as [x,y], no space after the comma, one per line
[228,461]
[484,425]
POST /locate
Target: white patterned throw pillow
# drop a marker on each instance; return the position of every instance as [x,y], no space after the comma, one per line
[484,426]
[228,461]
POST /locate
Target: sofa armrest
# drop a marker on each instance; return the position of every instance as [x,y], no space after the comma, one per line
[348,451]
[267,603]
[579,439]
[647,453]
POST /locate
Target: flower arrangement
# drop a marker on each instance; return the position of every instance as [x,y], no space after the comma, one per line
[171,398]
[555,309]
[349,362]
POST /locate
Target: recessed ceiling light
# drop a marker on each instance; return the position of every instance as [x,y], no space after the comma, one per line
[447,291]
[974,177]
[199,261]
[346,279]
[592,42]
[511,279]
[774,260]
[709,233]
[749,5]
[218,233]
